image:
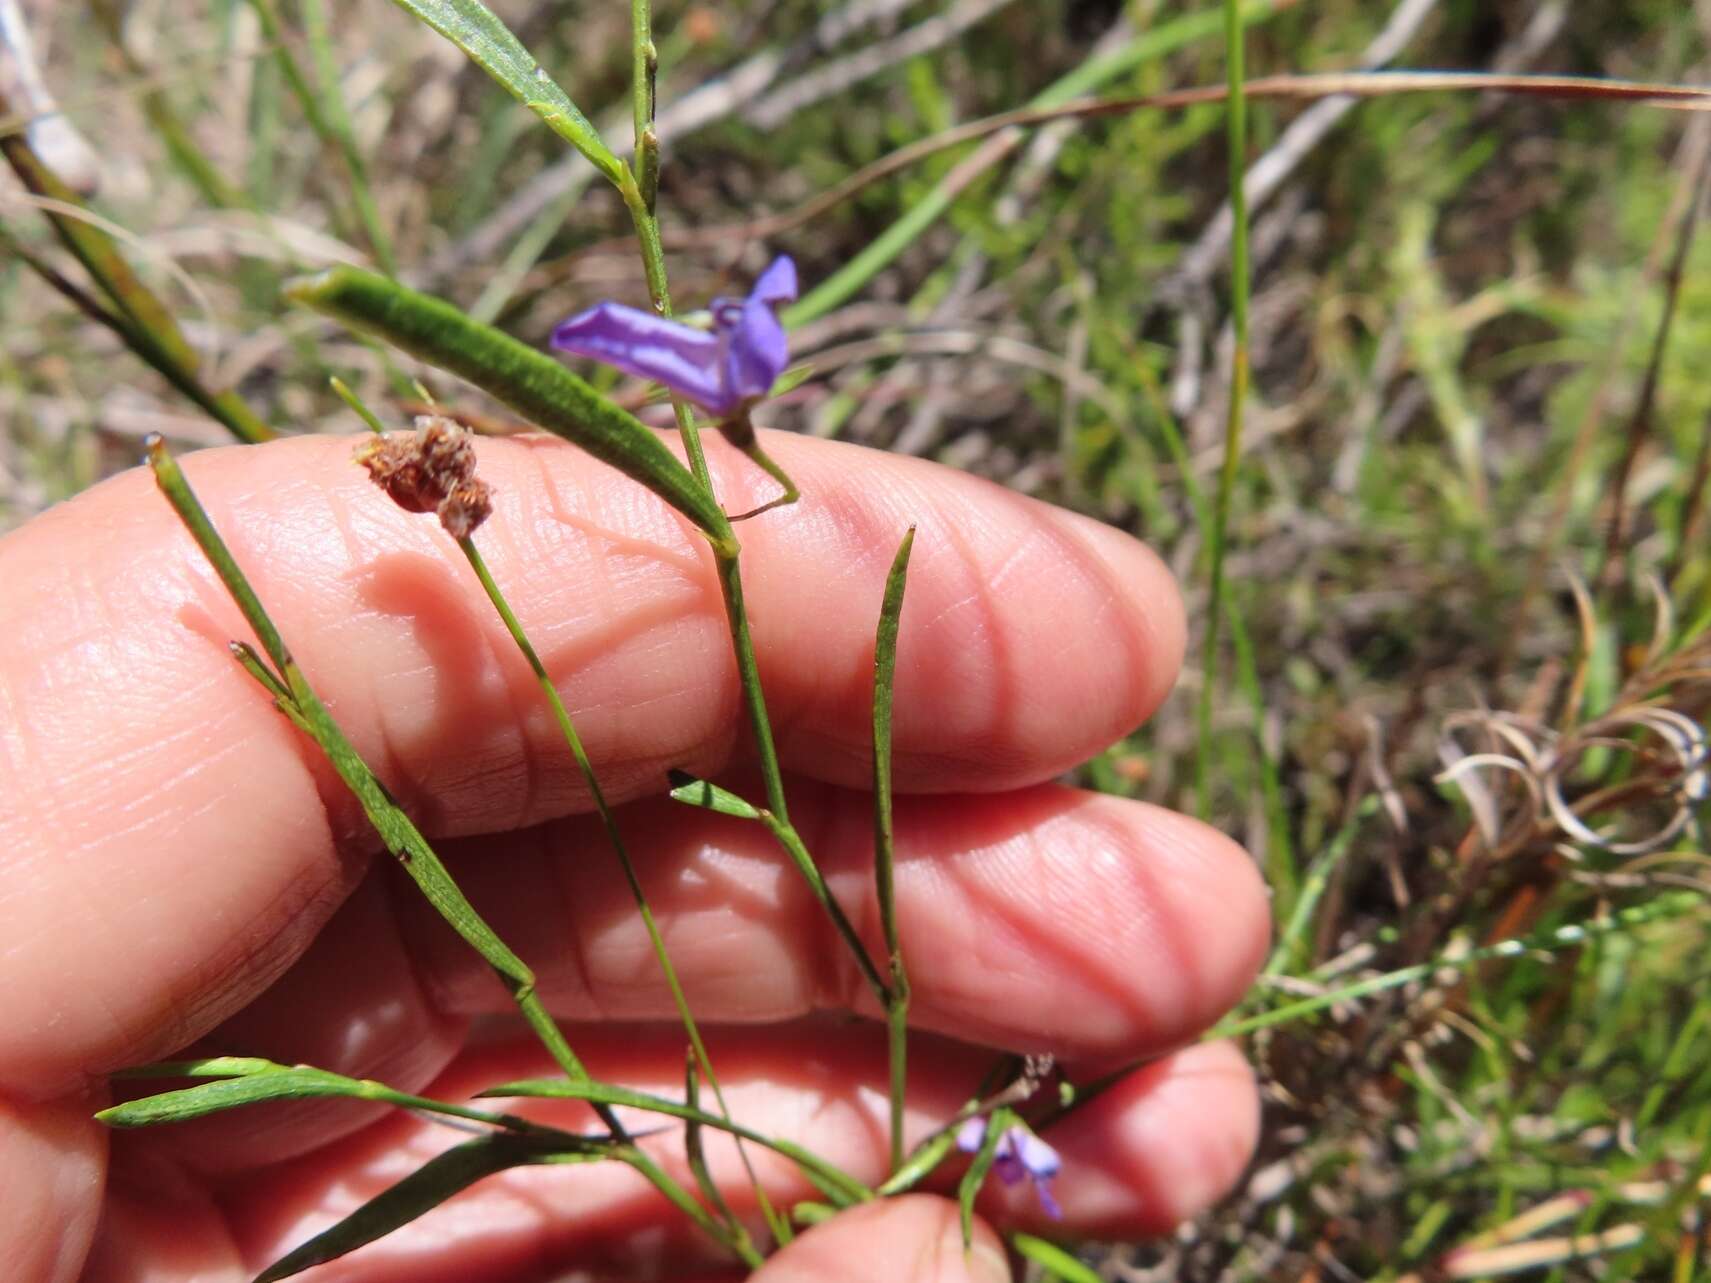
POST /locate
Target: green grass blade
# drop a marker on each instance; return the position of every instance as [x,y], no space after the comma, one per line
[695,1152]
[181,148]
[164,349]
[344,139]
[475,29]
[1572,936]
[530,382]
[884,249]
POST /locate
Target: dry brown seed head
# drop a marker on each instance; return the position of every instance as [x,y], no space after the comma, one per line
[432,470]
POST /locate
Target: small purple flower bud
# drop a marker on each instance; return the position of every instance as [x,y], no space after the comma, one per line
[1020,1155]
[722,371]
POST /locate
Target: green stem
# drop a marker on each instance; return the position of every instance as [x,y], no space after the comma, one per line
[685,1202]
[1237,121]
[568,729]
[639,200]
[793,846]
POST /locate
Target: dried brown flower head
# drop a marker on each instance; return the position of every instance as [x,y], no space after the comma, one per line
[432,470]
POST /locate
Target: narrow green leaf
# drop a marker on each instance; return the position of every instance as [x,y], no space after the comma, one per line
[530,382]
[140,319]
[247,1080]
[228,1093]
[1057,1263]
[477,30]
[884,845]
[968,1190]
[686,788]
[922,1161]
[95,249]
[206,1067]
[811,1213]
[421,1191]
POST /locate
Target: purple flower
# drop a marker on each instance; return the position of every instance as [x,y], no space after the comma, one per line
[722,370]
[1021,1155]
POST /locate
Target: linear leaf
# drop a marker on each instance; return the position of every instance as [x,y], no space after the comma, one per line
[228,1093]
[686,788]
[529,381]
[884,845]
[1057,1263]
[421,1191]
[490,44]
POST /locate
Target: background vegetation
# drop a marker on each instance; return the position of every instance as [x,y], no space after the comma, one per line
[1468,525]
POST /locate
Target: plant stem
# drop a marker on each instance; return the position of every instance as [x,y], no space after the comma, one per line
[568,729]
[1236,118]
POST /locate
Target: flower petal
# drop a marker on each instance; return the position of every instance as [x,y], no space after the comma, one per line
[970,1135]
[1047,1203]
[757,354]
[778,283]
[1040,1159]
[686,360]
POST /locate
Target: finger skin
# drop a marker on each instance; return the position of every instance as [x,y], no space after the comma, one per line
[1046,920]
[915,1239]
[1043,920]
[53,1163]
[179,844]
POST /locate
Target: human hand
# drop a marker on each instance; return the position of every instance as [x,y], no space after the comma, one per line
[179,869]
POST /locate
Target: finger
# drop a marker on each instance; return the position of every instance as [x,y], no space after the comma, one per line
[1047,920]
[1157,1147]
[353,1004]
[53,1161]
[917,1239]
[151,759]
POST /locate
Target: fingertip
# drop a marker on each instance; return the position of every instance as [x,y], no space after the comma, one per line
[1209,898]
[1150,603]
[1162,1146]
[913,1239]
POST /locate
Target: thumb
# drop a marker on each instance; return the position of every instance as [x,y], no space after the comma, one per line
[915,1239]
